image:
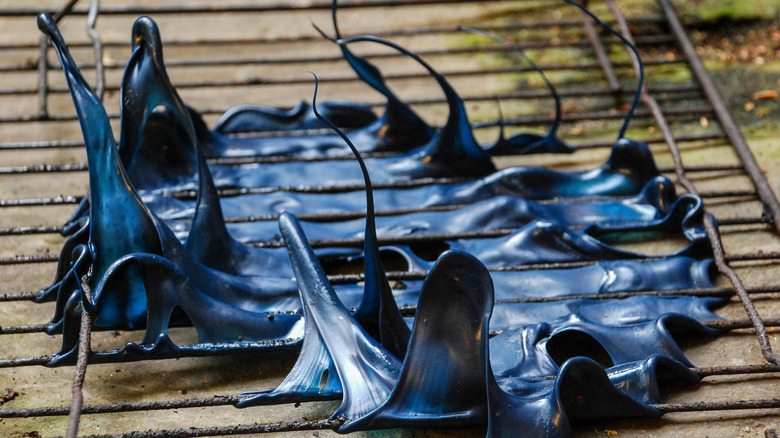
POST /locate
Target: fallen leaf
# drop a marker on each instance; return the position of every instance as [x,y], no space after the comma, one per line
[765,95]
[8,395]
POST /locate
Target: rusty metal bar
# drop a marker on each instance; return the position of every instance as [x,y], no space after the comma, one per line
[726,325]
[226,62]
[185,195]
[100,71]
[524,94]
[43,86]
[28,259]
[718,406]
[80,372]
[412,31]
[85,331]
[222,400]
[241,429]
[257,81]
[592,144]
[594,39]
[31,202]
[19,296]
[239,8]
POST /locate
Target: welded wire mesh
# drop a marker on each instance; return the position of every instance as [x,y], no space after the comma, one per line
[224,55]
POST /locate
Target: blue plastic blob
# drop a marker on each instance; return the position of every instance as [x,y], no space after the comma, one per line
[254,118]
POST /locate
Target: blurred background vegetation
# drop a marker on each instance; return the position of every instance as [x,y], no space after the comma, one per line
[740,43]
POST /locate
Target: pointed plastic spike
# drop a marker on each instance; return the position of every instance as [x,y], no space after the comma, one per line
[313,377]
[453,150]
[367,371]
[634,51]
[378,313]
[524,142]
[110,191]
[145,87]
[399,122]
[147,81]
[442,379]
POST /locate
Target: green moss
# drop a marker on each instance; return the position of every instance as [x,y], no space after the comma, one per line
[713,10]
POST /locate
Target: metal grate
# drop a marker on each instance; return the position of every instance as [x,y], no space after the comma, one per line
[223,55]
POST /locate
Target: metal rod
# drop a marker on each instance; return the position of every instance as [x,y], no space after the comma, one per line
[80,372]
[34,202]
[44,168]
[43,82]
[241,429]
[411,31]
[222,400]
[718,405]
[19,296]
[28,259]
[124,407]
[456,51]
[24,329]
[26,231]
[729,370]
[94,35]
[676,93]
[726,325]
[410,276]
[615,87]
[258,81]
[191,195]
[43,86]
[263,7]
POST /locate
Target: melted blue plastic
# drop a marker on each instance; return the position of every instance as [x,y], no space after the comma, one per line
[451,323]
[443,370]
[254,118]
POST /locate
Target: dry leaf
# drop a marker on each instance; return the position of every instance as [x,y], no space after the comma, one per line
[765,95]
